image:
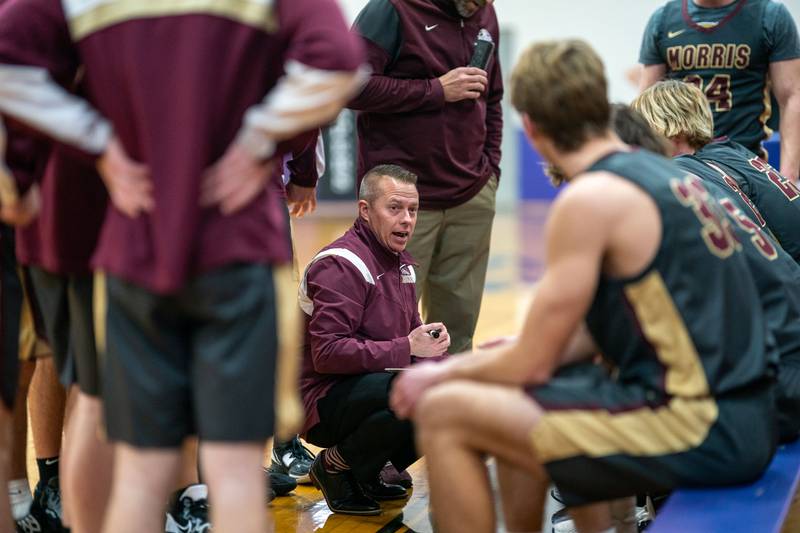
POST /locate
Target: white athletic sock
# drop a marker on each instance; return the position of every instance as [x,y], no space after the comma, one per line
[19,494]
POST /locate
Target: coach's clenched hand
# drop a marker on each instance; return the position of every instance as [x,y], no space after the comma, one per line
[128,181]
[425,345]
[464,83]
[235,180]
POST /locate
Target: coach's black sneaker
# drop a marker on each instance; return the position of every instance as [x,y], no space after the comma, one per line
[380,491]
[293,459]
[188,511]
[341,491]
[281,484]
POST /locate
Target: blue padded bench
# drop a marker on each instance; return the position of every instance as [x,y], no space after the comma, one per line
[758,508]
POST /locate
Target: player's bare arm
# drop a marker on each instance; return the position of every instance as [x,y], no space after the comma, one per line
[785,76]
[651,74]
[584,236]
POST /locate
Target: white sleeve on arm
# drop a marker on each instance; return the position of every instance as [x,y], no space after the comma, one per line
[30,95]
[304,98]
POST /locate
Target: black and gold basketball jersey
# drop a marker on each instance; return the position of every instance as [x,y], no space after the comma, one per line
[776,197]
[690,325]
[726,52]
[776,275]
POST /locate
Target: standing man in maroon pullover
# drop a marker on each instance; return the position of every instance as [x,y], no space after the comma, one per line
[186,103]
[426,110]
[362,319]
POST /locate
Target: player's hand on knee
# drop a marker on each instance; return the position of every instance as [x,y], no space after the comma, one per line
[234,180]
[429,340]
[464,83]
[409,386]
[128,182]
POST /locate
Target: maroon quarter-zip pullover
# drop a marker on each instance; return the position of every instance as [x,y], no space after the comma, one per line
[452,147]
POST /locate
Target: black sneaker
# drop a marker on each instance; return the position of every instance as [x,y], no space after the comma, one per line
[188,511]
[342,492]
[282,484]
[47,504]
[293,459]
[379,490]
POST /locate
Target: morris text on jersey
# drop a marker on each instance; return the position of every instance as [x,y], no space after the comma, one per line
[703,56]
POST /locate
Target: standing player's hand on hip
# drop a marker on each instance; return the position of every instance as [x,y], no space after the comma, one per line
[22,212]
[408,387]
[429,340]
[464,83]
[301,200]
[234,180]
[128,181]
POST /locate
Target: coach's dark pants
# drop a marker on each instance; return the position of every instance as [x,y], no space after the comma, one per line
[355,417]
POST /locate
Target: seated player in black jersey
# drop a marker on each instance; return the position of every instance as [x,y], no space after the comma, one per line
[673,109]
[777,276]
[644,259]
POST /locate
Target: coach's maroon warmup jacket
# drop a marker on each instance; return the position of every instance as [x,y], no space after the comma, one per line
[361,304]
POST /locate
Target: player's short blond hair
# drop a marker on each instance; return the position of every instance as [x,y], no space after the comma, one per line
[677,109]
[561,86]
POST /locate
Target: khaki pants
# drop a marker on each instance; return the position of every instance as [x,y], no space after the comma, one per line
[452,249]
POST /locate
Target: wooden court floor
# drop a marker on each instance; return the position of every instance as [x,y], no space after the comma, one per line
[515,263]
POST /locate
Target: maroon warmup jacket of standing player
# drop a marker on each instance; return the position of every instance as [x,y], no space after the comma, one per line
[178,82]
[453,148]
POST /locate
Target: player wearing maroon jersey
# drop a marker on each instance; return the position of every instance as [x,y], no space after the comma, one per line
[176,112]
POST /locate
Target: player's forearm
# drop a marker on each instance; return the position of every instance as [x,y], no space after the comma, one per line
[552,328]
[650,75]
[490,366]
[790,137]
